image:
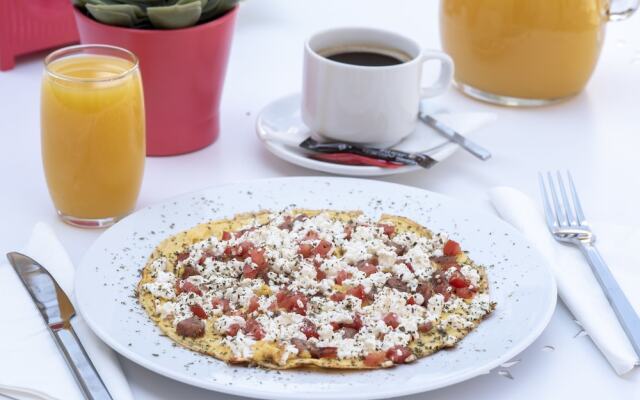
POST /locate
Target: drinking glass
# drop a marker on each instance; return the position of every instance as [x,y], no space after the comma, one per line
[526,52]
[93,133]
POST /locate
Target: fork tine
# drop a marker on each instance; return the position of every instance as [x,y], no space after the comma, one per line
[552,222]
[571,219]
[560,213]
[576,200]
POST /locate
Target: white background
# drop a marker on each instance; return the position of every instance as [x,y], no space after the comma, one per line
[596,135]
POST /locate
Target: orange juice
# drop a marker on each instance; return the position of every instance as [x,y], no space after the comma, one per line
[93,136]
[529,49]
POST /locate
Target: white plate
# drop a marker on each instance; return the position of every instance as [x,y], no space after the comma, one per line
[520,282]
[280,121]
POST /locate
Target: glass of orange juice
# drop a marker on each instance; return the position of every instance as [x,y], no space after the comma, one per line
[525,52]
[93,133]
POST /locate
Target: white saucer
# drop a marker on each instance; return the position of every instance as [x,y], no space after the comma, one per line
[279,126]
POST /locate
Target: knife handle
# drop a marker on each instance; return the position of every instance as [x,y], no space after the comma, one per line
[81,366]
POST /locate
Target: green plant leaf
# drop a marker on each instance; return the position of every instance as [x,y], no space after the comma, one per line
[215,8]
[127,15]
[160,14]
[175,16]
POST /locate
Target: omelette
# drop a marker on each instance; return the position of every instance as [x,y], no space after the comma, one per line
[314,288]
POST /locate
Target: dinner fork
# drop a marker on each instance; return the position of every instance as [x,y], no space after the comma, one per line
[567,224]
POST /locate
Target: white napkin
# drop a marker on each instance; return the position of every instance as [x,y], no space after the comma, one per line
[31,366]
[577,286]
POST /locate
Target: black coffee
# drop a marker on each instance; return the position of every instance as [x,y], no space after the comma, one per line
[365,59]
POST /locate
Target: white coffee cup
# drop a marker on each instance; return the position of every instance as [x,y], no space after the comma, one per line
[374,105]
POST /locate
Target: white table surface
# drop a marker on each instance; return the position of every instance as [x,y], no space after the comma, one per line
[595,134]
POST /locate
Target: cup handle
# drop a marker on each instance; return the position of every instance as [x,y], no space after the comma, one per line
[624,13]
[446,73]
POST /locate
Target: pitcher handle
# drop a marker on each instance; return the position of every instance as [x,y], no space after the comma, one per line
[624,13]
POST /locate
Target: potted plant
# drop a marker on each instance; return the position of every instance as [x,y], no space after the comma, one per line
[183,47]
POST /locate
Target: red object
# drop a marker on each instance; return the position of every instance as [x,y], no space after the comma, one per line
[198,311]
[355,159]
[399,354]
[183,73]
[391,319]
[452,248]
[28,26]
[375,359]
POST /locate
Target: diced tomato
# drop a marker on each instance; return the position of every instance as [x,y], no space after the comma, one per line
[188,287]
[327,352]
[411,301]
[299,304]
[426,327]
[306,250]
[337,296]
[249,272]
[254,329]
[295,302]
[257,256]
[203,258]
[356,323]
[253,304]
[335,325]
[311,235]
[233,329]
[323,248]
[357,291]
[198,311]
[398,354]
[281,295]
[228,251]
[452,248]
[342,276]
[457,280]
[388,230]
[465,292]
[221,303]
[368,268]
[226,235]
[309,328]
[391,319]
[375,359]
[244,249]
[320,274]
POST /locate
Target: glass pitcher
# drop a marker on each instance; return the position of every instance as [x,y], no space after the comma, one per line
[526,52]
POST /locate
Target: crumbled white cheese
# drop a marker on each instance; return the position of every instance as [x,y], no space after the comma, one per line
[470,274]
[435,304]
[163,286]
[223,323]
[221,278]
[241,345]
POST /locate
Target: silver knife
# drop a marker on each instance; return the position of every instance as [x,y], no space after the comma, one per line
[454,136]
[57,311]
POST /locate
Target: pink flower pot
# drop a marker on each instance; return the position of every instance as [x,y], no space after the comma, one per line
[183,74]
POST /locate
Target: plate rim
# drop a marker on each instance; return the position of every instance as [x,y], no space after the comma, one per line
[126,352]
